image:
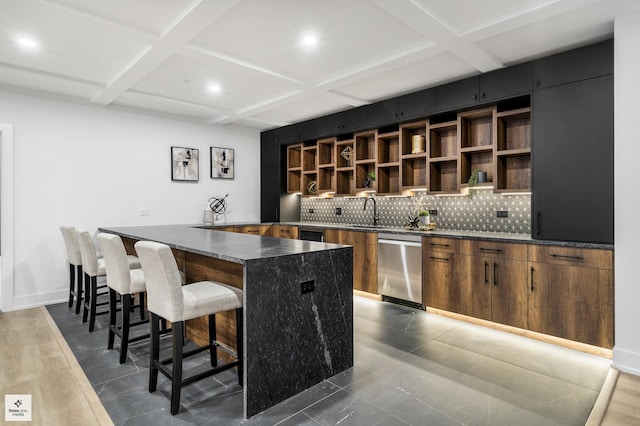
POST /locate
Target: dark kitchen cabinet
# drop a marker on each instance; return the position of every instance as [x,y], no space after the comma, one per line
[572,162]
[587,62]
[459,94]
[492,86]
[342,122]
[271,180]
[505,83]
[401,109]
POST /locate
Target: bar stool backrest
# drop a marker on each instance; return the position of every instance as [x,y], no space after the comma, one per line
[162,278]
[87,252]
[116,263]
[71,244]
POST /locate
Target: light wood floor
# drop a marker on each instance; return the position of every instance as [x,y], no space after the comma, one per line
[35,359]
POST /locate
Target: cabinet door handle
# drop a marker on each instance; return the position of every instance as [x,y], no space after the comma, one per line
[561,256]
[486,278]
[483,95]
[438,245]
[538,220]
[475,97]
[446,259]
[531,283]
[495,273]
[491,250]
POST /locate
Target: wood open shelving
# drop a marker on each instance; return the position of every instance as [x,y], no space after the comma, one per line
[441,160]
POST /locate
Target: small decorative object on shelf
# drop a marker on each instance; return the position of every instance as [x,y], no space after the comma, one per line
[311,188]
[473,181]
[370,177]
[417,144]
[346,153]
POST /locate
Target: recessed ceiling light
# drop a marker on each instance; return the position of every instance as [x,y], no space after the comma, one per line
[27,42]
[309,40]
[214,88]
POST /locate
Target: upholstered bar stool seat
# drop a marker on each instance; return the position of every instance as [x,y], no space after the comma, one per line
[94,267]
[124,282]
[75,265]
[168,299]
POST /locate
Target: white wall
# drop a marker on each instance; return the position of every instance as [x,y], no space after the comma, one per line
[90,166]
[626,353]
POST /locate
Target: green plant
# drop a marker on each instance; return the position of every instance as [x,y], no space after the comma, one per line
[372,175]
[423,213]
[472,182]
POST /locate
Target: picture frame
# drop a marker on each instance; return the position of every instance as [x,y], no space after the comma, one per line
[222,163]
[185,164]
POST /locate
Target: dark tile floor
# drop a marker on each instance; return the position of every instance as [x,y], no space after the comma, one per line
[411,367]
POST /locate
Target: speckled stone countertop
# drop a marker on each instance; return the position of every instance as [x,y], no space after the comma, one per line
[477,235]
[230,246]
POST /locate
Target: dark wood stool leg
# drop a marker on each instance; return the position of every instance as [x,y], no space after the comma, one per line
[72,284]
[94,296]
[141,306]
[212,338]
[176,379]
[87,296]
[79,276]
[112,317]
[126,317]
[154,352]
[240,345]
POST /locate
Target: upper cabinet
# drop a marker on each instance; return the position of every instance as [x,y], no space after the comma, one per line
[401,109]
[584,63]
[492,86]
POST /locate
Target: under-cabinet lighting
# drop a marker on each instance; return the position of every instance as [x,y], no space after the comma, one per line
[214,88]
[397,196]
[480,188]
[514,193]
[451,195]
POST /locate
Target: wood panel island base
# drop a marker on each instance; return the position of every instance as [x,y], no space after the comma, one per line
[298,304]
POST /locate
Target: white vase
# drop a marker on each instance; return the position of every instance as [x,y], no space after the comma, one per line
[207,217]
[424,220]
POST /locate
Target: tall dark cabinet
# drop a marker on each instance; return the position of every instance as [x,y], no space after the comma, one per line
[572,152]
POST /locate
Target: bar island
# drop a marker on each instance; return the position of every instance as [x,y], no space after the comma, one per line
[298,303]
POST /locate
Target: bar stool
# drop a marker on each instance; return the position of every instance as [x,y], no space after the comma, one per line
[75,265]
[124,282]
[94,267]
[168,299]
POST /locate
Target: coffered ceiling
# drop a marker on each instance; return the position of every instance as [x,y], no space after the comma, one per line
[166,56]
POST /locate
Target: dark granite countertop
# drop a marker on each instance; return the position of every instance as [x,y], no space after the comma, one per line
[477,235]
[230,246]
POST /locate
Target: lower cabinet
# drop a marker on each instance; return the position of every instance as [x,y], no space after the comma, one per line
[571,293]
[283,231]
[496,284]
[365,256]
[560,291]
[443,274]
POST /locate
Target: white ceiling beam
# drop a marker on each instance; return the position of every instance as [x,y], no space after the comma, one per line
[185,27]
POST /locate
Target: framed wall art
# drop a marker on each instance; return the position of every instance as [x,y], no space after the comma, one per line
[222,166]
[184,164]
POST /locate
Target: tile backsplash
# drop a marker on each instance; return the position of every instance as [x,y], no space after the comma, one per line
[454,212]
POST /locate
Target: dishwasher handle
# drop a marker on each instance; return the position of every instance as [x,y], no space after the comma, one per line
[401,243]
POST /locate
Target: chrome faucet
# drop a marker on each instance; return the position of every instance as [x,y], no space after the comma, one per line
[376,215]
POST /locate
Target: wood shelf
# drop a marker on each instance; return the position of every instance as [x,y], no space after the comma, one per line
[477,128]
[498,144]
[366,145]
[326,152]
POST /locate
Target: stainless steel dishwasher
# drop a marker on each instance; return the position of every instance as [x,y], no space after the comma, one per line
[400,266]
